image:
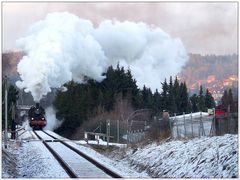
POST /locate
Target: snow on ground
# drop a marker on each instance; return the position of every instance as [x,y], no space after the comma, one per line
[31,159]
[8,165]
[206,157]
[83,142]
[194,115]
[35,161]
[100,142]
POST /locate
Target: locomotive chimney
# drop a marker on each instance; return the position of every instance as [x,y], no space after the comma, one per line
[37,105]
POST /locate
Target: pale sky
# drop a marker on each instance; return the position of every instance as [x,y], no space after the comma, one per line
[205,28]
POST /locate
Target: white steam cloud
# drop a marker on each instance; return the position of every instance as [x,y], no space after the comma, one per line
[63,47]
[52,122]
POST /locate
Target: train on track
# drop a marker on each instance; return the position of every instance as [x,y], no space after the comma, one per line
[36,115]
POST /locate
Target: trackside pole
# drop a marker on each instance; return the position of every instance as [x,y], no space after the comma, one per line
[6,114]
[184,120]
[191,124]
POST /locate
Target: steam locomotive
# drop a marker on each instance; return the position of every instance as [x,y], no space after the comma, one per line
[36,115]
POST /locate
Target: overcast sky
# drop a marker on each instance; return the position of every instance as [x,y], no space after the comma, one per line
[205,28]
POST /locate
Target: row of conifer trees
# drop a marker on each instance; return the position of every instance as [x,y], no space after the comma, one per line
[82,101]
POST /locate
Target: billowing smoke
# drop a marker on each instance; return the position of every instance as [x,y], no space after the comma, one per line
[63,47]
[52,122]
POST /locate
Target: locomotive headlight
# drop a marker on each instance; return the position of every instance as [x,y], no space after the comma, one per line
[32,118]
[42,118]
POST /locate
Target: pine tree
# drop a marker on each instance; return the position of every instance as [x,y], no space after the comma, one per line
[176,94]
[201,101]
[156,102]
[171,97]
[194,103]
[149,99]
[164,96]
[11,98]
[225,100]
[209,100]
[109,87]
[228,101]
[145,96]
[135,92]
[184,102]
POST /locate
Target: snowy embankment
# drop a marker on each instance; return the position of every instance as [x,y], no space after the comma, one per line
[206,157]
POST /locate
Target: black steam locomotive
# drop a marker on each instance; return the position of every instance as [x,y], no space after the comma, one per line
[36,115]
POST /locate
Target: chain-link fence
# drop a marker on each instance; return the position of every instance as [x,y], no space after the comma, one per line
[191,125]
[225,124]
[181,126]
[120,131]
[202,124]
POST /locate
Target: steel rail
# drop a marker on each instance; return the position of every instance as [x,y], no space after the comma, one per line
[68,170]
[93,161]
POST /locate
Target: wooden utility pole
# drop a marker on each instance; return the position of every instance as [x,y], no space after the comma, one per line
[6,113]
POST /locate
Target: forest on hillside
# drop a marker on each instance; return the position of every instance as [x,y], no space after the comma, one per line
[200,67]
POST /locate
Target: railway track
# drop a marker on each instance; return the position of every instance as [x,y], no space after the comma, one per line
[75,163]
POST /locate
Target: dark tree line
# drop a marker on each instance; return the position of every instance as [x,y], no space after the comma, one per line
[202,101]
[82,101]
[12,100]
[228,102]
[174,98]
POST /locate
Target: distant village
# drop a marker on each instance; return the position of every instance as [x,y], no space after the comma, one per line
[215,86]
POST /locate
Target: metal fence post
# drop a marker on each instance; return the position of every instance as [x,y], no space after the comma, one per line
[201,124]
[170,124]
[127,137]
[214,123]
[203,128]
[6,114]
[108,131]
[100,127]
[191,124]
[219,125]
[185,130]
[228,124]
[176,124]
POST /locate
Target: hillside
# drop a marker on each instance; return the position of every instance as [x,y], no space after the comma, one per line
[10,61]
[214,72]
